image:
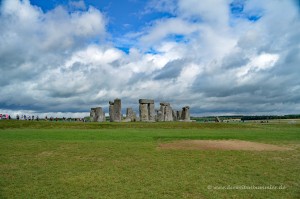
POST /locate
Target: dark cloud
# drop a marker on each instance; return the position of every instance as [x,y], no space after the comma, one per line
[170,70]
[58,61]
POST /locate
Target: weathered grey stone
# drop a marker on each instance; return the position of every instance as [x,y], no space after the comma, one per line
[147,111]
[130,114]
[115,111]
[97,114]
[185,113]
[174,114]
[161,113]
[104,118]
[168,113]
[159,116]
[151,112]
[165,112]
[164,104]
[144,113]
[111,112]
[146,101]
[179,115]
[126,120]
[92,115]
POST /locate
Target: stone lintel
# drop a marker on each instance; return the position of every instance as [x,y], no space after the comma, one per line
[165,104]
[146,101]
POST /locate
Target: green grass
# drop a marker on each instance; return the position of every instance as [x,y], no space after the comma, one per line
[121,160]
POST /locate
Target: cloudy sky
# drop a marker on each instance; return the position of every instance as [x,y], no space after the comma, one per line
[220,57]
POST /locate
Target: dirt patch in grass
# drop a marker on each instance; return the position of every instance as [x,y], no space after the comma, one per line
[221,145]
[45,154]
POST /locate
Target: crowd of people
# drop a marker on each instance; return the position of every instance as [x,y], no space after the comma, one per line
[37,118]
[28,117]
[5,116]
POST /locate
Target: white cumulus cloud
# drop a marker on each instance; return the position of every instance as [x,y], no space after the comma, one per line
[205,56]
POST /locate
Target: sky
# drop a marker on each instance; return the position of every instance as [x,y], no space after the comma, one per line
[220,57]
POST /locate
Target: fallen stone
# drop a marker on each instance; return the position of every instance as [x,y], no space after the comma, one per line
[126,120]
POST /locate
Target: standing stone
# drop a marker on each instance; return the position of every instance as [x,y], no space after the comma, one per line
[130,114]
[179,115]
[93,115]
[174,114]
[166,113]
[104,118]
[159,116]
[186,113]
[144,114]
[115,111]
[169,114]
[111,111]
[97,114]
[147,111]
[151,112]
[100,115]
[161,113]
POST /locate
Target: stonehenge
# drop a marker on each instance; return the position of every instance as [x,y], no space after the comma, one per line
[97,115]
[174,114]
[165,113]
[178,114]
[115,111]
[147,112]
[130,115]
[185,115]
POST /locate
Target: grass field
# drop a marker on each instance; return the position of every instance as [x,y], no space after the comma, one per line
[123,160]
